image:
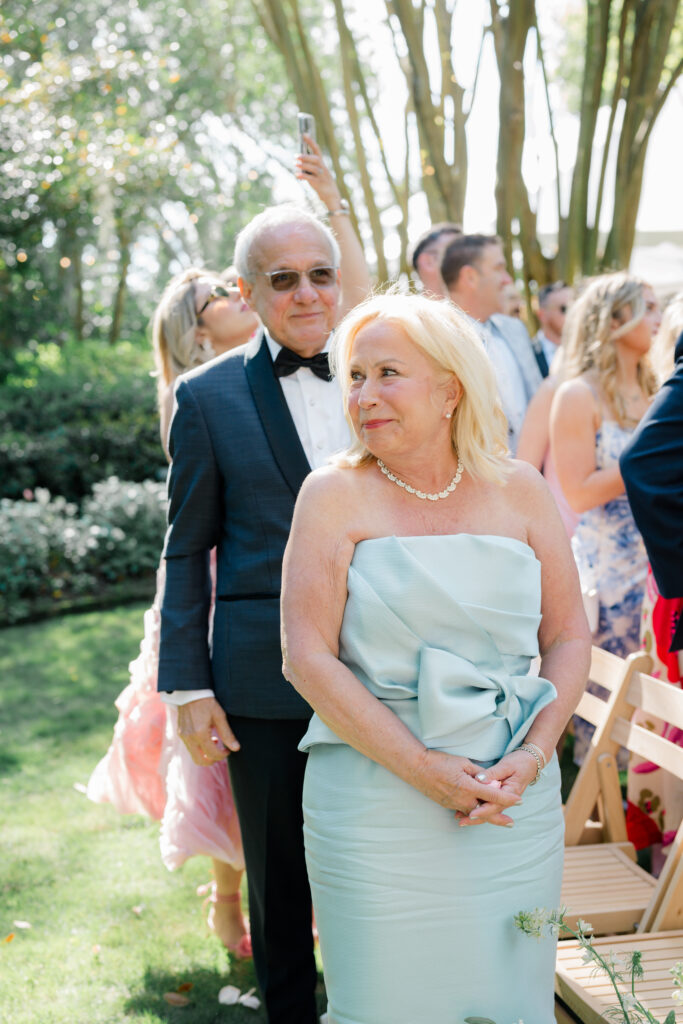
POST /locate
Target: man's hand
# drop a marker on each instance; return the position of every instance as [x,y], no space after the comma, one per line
[204,729]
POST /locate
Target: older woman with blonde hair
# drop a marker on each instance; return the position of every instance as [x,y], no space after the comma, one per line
[423,572]
[608,386]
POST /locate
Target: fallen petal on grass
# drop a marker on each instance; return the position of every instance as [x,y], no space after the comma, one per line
[185,987]
[80,788]
[8,938]
[250,1000]
[176,999]
[21,924]
[137,910]
[229,995]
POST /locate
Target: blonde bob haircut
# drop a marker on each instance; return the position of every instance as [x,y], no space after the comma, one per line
[446,336]
[589,337]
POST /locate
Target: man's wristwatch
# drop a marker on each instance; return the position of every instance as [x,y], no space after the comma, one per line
[343,210]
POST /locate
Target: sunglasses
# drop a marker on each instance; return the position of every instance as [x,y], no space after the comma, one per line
[289,280]
[219,292]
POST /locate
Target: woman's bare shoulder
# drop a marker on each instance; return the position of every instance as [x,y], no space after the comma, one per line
[332,491]
[579,392]
[526,490]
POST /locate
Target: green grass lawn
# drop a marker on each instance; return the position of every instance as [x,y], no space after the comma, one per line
[111,929]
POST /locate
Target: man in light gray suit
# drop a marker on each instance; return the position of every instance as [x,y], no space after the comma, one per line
[476,276]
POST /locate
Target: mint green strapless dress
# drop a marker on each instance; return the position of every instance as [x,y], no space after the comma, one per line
[415,914]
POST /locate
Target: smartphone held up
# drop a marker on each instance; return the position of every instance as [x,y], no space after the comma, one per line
[306,123]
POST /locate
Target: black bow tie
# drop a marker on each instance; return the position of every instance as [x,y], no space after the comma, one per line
[287,362]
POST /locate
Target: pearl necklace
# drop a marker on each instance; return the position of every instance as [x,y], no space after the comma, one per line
[421,494]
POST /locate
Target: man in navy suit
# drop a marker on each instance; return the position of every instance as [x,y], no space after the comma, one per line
[652,468]
[247,429]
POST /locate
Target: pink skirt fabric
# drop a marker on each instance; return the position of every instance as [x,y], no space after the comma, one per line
[148,770]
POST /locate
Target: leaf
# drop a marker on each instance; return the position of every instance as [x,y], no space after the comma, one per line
[479,1020]
[21,924]
[229,995]
[176,999]
[671,1018]
[185,987]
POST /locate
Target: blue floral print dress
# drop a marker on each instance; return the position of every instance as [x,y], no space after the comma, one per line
[610,556]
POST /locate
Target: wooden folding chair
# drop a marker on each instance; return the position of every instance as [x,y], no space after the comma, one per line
[602,882]
[597,784]
[660,926]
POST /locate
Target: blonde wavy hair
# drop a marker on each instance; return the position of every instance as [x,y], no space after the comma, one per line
[442,332]
[662,351]
[174,328]
[589,339]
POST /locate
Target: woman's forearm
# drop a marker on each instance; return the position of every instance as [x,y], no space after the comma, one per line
[355,275]
[599,487]
[355,715]
[366,724]
[566,665]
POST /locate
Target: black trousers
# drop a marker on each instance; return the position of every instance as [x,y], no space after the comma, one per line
[267,780]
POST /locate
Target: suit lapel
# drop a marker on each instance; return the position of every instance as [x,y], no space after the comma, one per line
[274,414]
[521,349]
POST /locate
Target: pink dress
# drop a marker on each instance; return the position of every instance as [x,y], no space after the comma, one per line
[148,770]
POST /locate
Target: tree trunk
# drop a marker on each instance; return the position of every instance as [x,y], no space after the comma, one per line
[124,237]
[576,250]
[645,97]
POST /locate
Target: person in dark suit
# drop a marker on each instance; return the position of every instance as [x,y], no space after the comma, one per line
[652,468]
[246,431]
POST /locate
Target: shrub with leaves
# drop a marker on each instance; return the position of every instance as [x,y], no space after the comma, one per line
[73,415]
[50,551]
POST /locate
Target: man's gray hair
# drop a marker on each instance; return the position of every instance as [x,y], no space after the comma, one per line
[275,217]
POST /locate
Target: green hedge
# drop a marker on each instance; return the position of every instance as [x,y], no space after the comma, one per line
[73,415]
[53,555]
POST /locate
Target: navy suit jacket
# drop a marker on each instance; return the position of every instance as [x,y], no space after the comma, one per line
[652,468]
[237,466]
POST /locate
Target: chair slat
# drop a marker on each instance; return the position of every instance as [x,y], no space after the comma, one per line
[655,697]
[649,745]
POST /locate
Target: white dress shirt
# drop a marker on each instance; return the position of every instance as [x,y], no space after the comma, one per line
[315,406]
[549,347]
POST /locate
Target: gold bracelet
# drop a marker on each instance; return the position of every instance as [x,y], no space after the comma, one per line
[539,757]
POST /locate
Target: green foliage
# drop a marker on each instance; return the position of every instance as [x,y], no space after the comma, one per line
[74,415]
[121,140]
[49,551]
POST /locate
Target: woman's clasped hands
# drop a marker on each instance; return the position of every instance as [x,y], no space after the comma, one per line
[477,795]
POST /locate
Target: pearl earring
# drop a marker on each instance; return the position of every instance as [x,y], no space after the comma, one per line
[448,415]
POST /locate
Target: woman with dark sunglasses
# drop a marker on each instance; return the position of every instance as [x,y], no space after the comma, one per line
[147,769]
[200,316]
